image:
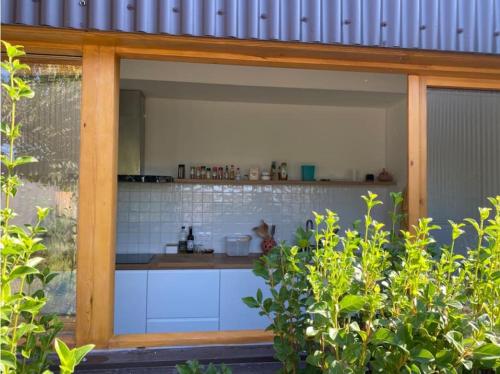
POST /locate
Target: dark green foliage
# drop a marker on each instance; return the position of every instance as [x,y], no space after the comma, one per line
[194,367]
[378,300]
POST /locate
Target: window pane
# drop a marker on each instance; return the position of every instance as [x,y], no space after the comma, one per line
[463,155]
[51,133]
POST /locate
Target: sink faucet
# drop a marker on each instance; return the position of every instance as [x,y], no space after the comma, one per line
[309,225]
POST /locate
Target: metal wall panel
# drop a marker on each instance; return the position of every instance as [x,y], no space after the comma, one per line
[100,15]
[449,25]
[463,153]
[51,13]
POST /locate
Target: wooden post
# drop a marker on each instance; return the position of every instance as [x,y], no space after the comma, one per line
[417,149]
[97,196]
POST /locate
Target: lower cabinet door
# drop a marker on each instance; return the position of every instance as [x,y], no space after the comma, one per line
[182,325]
[234,314]
[130,301]
[183,300]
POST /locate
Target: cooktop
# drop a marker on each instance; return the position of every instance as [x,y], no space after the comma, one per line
[135,258]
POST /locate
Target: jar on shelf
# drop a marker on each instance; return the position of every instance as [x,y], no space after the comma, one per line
[283,171]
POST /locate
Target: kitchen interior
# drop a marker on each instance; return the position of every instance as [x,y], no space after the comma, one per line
[218,163]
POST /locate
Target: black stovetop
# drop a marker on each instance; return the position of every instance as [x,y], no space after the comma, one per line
[136,258]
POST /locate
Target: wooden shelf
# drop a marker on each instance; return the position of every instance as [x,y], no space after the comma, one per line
[284,183]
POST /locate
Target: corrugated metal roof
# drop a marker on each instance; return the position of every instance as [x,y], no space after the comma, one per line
[449,25]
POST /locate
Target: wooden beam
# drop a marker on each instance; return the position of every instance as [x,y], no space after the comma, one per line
[417,150]
[258,53]
[97,195]
[191,338]
[463,83]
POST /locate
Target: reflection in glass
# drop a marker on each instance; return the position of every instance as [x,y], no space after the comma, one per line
[50,132]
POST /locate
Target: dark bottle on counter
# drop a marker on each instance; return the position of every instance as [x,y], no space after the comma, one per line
[182,246]
[190,240]
[181,171]
[226,173]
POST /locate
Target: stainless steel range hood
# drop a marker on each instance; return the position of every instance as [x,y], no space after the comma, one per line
[131,133]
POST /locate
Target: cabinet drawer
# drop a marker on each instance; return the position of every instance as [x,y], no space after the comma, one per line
[234,313]
[130,301]
[182,325]
[183,294]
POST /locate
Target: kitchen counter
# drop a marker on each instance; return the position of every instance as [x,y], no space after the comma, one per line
[193,261]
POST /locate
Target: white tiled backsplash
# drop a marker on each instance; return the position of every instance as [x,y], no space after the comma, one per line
[151,215]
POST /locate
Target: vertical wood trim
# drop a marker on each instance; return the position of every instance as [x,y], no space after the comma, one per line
[97,195]
[423,148]
[417,149]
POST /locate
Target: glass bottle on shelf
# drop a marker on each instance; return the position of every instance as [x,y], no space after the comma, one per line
[238,174]
[181,171]
[182,245]
[232,172]
[190,240]
[274,171]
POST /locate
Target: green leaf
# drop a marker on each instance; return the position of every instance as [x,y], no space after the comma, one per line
[63,352]
[314,359]
[487,352]
[22,270]
[444,358]
[311,331]
[421,355]
[383,336]
[259,296]
[251,302]
[81,352]
[8,360]
[22,160]
[34,261]
[352,303]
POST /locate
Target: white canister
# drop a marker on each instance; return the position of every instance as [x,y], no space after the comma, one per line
[171,248]
[254,174]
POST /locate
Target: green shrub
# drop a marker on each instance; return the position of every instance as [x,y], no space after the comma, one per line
[375,300]
[194,367]
[26,335]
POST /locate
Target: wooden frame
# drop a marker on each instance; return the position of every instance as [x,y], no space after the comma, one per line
[97,195]
[101,52]
[417,133]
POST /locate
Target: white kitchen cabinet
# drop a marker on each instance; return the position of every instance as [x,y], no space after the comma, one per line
[234,314]
[130,301]
[182,325]
[183,294]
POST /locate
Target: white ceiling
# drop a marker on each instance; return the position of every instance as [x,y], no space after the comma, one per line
[255,94]
[193,81]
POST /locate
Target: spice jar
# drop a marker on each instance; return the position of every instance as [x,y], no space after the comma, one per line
[283,171]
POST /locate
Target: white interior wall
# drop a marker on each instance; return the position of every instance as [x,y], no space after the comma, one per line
[396,138]
[196,132]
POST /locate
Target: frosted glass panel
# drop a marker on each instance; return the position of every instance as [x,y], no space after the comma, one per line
[51,133]
[463,154]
